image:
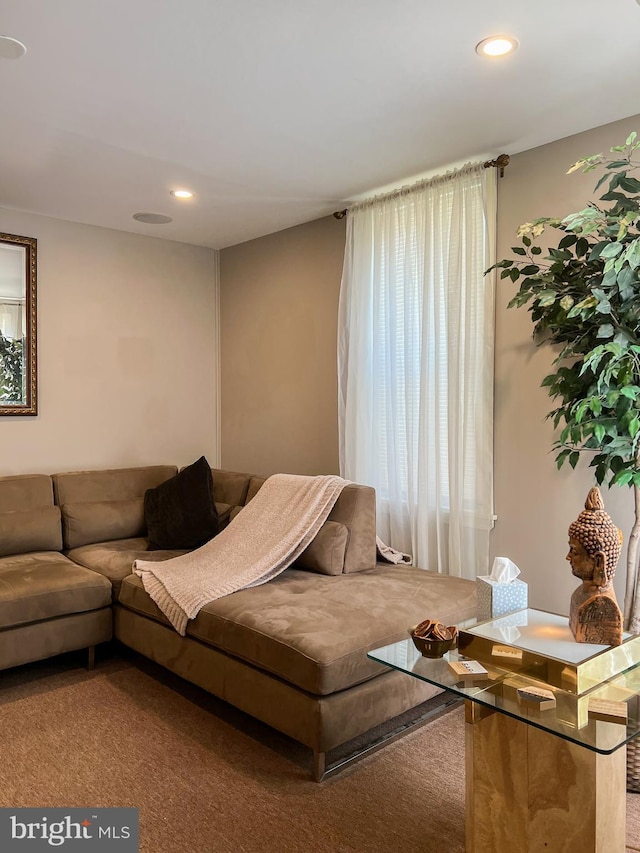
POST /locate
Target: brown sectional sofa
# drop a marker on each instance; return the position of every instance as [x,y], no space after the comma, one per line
[291,652]
[48,603]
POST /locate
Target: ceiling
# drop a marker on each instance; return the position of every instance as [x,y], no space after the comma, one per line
[276,112]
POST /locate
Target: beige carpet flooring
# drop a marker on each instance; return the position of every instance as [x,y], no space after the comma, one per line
[208,779]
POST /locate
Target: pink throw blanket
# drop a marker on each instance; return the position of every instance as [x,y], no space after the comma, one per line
[264,539]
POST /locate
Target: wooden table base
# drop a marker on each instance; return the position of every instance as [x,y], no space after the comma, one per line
[528,791]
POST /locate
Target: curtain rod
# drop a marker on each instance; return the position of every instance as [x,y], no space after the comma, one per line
[501,162]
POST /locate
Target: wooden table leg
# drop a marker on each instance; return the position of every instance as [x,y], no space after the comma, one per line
[528,791]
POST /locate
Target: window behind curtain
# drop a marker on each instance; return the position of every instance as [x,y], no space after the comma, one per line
[416,362]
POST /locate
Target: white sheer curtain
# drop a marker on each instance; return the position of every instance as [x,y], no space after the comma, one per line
[415,366]
[11,320]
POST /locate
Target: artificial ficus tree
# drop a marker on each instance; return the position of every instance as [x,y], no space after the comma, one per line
[584,295]
[12,371]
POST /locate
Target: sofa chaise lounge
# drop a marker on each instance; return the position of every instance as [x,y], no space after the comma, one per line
[292,652]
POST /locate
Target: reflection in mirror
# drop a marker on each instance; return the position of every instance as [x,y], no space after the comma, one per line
[17,325]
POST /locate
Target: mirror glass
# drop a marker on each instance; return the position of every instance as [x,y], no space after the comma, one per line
[17,325]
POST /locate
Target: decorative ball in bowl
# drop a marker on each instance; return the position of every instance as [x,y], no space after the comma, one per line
[433,639]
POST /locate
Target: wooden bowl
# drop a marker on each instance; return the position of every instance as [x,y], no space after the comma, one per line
[434,648]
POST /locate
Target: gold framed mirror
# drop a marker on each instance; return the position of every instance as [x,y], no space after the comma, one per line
[18,351]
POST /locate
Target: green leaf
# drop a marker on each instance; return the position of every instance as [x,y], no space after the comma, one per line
[567,241]
[536,250]
[597,250]
[579,164]
[634,426]
[595,404]
[584,221]
[631,138]
[632,254]
[573,458]
[622,338]
[530,269]
[612,249]
[611,195]
[518,250]
[626,279]
[599,432]
[546,298]
[581,411]
[559,255]
[526,240]
[610,277]
[582,247]
[630,391]
[617,164]
[616,464]
[622,478]
[630,185]
[606,331]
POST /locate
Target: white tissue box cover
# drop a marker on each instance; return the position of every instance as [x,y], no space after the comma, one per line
[496,599]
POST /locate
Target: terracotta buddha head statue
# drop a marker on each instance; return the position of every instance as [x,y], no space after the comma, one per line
[595,543]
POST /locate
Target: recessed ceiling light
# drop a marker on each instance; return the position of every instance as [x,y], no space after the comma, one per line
[496,46]
[182,193]
[11,48]
[153,218]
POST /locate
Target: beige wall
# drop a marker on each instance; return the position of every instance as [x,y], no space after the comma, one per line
[534,502]
[127,356]
[279,313]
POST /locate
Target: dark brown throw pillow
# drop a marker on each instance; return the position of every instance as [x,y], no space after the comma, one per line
[181,513]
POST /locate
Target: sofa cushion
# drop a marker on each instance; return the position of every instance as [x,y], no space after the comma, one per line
[102,521]
[325,553]
[122,488]
[255,484]
[313,630]
[356,510]
[181,513]
[230,487]
[43,585]
[224,514]
[118,484]
[21,492]
[115,560]
[30,530]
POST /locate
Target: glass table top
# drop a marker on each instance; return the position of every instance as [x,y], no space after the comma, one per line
[540,632]
[602,719]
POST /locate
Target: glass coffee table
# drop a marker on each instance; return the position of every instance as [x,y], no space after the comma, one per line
[545,763]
